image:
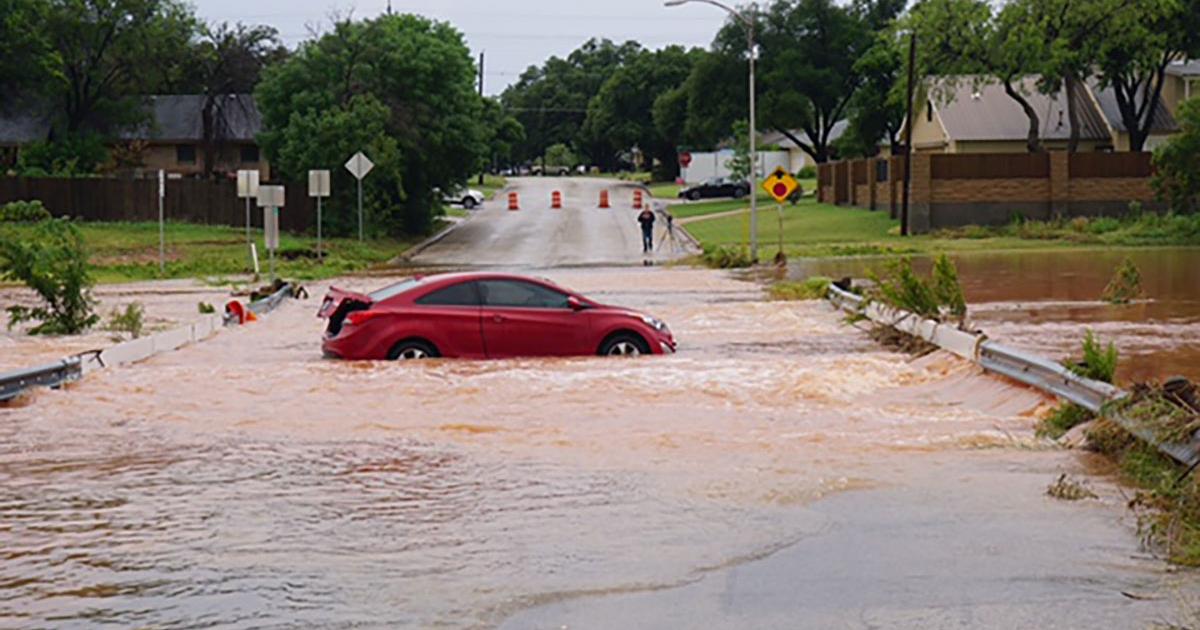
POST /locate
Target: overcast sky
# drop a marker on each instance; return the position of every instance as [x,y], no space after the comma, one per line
[514,34]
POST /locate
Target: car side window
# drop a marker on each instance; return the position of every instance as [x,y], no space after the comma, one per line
[514,293]
[461,294]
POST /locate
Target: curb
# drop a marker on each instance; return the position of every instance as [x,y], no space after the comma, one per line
[429,242]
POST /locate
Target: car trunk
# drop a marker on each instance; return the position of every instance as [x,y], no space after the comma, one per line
[338,304]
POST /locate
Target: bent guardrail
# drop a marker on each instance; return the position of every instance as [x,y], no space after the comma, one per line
[1023,367]
[14,383]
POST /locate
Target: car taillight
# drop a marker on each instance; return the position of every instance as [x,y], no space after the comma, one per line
[358,318]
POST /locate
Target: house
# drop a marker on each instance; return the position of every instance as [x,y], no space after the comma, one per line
[172,139]
[798,158]
[968,114]
[1183,83]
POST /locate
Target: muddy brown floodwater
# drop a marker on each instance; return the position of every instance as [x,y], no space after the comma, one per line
[245,482]
[1045,301]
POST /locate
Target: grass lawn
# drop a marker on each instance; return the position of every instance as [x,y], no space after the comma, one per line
[665,190]
[812,229]
[491,184]
[122,252]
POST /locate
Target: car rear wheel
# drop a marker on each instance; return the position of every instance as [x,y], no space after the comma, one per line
[694,195]
[624,345]
[412,350]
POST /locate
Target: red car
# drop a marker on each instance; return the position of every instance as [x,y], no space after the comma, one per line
[482,315]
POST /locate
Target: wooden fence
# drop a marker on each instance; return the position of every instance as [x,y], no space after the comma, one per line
[953,189]
[187,200]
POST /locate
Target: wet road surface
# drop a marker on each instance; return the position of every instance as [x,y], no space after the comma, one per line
[579,234]
[245,482]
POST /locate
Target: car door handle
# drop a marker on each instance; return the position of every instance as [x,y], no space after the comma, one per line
[499,319]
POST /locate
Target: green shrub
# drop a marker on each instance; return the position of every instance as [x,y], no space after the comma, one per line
[1103,225]
[23,212]
[130,321]
[1125,286]
[814,288]
[206,309]
[947,290]
[1099,363]
[70,155]
[52,261]
[1176,178]
[808,172]
[1062,419]
[726,257]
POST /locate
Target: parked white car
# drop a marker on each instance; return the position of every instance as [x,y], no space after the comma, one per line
[468,198]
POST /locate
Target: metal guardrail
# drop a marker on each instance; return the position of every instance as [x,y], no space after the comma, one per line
[1030,369]
[1047,376]
[13,383]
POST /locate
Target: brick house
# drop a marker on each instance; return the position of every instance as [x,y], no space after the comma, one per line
[172,139]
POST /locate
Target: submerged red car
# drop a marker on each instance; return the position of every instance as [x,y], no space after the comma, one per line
[483,315]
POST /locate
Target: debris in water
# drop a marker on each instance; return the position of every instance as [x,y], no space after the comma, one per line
[1068,489]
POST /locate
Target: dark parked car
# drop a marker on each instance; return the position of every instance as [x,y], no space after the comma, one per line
[716,187]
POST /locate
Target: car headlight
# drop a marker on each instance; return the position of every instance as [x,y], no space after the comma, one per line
[654,322]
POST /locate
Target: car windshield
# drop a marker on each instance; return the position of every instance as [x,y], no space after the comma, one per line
[393,290]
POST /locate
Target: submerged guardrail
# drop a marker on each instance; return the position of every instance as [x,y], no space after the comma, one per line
[54,375]
[1024,367]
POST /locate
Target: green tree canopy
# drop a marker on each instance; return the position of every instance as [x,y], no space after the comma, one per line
[621,116]
[410,81]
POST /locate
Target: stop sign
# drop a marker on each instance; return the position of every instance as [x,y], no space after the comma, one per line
[685,159]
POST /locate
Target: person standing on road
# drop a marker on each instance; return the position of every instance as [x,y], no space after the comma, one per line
[646,218]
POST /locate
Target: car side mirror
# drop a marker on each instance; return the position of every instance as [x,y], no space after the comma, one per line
[575,304]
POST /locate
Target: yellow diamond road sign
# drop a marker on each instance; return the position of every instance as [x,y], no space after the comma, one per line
[780,185]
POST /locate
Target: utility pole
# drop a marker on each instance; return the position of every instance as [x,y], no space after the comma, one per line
[908,132]
[753,139]
[481,53]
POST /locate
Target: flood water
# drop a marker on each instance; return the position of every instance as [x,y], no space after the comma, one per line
[1045,301]
[245,482]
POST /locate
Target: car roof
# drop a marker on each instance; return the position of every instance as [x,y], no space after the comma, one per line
[442,279]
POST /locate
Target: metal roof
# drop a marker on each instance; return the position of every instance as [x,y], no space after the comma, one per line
[973,110]
[777,138]
[23,128]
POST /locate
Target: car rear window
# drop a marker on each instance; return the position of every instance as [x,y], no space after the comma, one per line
[393,290]
[462,294]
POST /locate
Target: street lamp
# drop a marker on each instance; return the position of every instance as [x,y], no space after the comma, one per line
[748,22]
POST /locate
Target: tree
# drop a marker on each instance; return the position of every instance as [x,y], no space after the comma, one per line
[53,262]
[503,133]
[878,108]
[1178,162]
[621,116]
[560,155]
[25,58]
[225,61]
[551,101]
[409,81]
[106,52]
[807,65]
[1133,52]
[741,163]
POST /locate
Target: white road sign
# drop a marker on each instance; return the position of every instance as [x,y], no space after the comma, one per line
[271,196]
[247,184]
[318,184]
[359,165]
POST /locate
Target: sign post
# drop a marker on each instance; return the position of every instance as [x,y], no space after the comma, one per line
[318,186]
[780,185]
[271,198]
[247,188]
[359,165]
[162,231]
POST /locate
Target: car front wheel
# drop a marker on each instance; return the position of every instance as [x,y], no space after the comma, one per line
[694,195]
[469,203]
[624,345]
[412,350]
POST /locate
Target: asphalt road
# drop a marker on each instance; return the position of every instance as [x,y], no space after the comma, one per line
[579,234]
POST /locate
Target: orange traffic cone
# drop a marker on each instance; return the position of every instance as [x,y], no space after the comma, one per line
[637,199]
[556,200]
[604,199]
[512,201]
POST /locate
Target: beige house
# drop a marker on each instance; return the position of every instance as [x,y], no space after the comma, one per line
[172,139]
[970,115]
